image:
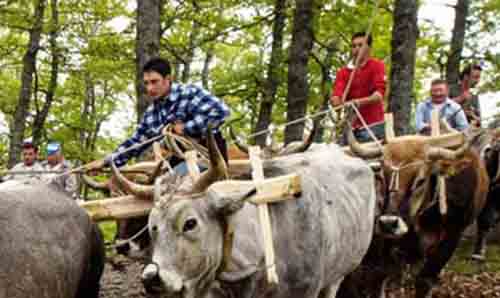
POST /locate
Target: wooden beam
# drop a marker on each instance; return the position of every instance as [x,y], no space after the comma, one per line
[117,208]
[265,221]
[389,126]
[272,190]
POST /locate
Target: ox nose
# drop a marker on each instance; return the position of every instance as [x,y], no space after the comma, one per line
[151,279]
[392,225]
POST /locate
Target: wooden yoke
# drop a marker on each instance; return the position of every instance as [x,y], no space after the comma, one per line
[435,131]
[265,221]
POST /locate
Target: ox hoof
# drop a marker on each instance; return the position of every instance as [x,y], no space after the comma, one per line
[392,226]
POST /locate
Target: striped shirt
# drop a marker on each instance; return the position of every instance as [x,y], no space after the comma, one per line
[189,104]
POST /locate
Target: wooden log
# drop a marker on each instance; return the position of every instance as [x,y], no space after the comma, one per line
[272,190]
[117,208]
[389,126]
[435,123]
[265,221]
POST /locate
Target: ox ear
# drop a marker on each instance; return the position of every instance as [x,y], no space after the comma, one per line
[225,204]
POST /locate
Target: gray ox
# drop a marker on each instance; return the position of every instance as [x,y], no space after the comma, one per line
[318,238]
[49,248]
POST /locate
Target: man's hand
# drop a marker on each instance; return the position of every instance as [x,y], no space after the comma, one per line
[179,128]
[94,166]
[336,101]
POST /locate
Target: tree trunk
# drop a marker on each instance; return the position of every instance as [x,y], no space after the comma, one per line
[326,89]
[206,67]
[457,45]
[147,44]
[273,72]
[41,116]
[193,35]
[298,87]
[404,47]
[29,64]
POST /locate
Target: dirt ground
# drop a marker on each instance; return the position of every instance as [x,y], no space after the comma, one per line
[122,279]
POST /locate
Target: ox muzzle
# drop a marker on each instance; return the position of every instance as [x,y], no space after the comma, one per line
[156,281]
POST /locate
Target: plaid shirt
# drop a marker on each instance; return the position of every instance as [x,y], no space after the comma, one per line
[191,105]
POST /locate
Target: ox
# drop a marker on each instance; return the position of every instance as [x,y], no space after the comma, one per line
[49,246]
[411,216]
[489,216]
[318,238]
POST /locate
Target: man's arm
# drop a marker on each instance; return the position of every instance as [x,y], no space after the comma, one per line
[420,125]
[460,120]
[339,87]
[205,108]
[140,135]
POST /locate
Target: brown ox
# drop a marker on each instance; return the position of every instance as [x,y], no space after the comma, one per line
[490,215]
[411,226]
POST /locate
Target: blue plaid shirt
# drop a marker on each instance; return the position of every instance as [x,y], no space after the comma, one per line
[190,104]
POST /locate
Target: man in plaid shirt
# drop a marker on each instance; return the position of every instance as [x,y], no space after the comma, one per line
[188,107]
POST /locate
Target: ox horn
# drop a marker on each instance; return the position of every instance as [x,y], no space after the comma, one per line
[92,183]
[131,187]
[217,170]
[237,142]
[303,146]
[436,153]
[357,149]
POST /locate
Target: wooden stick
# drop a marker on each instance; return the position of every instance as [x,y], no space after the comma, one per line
[389,126]
[435,131]
[265,221]
[435,123]
[192,165]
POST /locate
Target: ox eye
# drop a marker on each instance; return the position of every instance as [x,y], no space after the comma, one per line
[189,225]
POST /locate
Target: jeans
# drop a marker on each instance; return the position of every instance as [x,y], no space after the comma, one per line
[363,136]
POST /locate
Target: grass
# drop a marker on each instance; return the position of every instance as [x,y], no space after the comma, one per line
[108,229]
[461,262]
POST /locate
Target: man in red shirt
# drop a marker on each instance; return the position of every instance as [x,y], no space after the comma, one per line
[367,88]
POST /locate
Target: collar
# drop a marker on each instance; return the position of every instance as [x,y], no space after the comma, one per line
[446,102]
[172,96]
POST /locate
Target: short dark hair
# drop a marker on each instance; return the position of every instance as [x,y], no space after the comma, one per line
[468,70]
[439,82]
[362,34]
[159,65]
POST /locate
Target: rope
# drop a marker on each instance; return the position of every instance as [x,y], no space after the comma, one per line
[129,240]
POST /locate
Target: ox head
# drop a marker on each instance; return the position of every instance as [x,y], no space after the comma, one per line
[407,164]
[188,229]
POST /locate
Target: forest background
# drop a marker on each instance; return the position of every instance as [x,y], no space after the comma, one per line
[70,69]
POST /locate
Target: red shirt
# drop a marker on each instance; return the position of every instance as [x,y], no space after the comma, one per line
[368,79]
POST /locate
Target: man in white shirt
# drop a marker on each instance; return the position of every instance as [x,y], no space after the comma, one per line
[29,164]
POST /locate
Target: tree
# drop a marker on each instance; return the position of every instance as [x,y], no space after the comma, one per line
[298,86]
[404,47]
[29,66]
[457,45]
[147,44]
[41,115]
[273,72]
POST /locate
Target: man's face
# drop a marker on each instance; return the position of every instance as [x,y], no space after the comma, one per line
[475,76]
[54,158]
[156,85]
[29,156]
[439,92]
[356,46]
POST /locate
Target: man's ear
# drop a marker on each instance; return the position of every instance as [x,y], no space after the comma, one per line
[225,205]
